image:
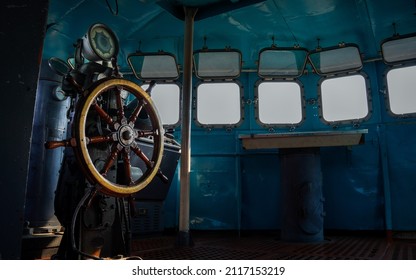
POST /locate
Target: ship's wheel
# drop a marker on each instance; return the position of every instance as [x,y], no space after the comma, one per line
[118,136]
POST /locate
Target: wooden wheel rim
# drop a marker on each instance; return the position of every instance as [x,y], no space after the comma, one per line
[94,175]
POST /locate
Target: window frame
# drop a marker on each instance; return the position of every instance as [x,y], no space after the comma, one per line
[335,48]
[392,39]
[178,123]
[356,122]
[138,74]
[387,92]
[196,63]
[281,75]
[218,125]
[279,125]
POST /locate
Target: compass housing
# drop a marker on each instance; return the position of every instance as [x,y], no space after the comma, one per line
[100,43]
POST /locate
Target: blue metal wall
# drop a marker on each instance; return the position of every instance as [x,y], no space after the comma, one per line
[371,186]
[401,154]
[366,187]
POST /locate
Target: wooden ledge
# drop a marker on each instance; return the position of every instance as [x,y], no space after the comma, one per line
[303,139]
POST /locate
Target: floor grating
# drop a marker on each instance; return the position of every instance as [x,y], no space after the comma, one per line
[267,247]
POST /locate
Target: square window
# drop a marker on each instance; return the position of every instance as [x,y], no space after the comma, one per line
[279,103]
[401,86]
[344,98]
[167,102]
[218,104]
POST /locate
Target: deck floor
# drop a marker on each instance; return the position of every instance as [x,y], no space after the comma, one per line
[217,245]
[261,246]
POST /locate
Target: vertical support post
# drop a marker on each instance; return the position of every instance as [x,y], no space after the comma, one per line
[302,201]
[183,238]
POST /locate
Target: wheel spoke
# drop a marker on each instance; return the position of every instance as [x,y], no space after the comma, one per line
[148,163]
[142,156]
[127,166]
[99,139]
[64,143]
[136,112]
[120,108]
[110,160]
[145,133]
[103,114]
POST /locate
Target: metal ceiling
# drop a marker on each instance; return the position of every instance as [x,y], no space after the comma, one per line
[245,25]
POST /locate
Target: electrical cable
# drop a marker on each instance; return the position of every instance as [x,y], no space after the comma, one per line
[73,223]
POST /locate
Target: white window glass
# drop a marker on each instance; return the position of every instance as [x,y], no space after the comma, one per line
[401,85]
[279,103]
[154,66]
[336,60]
[218,103]
[344,98]
[209,64]
[167,101]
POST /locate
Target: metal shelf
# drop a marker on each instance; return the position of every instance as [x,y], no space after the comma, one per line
[303,139]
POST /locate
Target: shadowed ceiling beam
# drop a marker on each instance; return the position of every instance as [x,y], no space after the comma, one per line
[206,11]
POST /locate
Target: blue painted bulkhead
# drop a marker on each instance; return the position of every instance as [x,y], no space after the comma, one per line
[233,188]
[371,186]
